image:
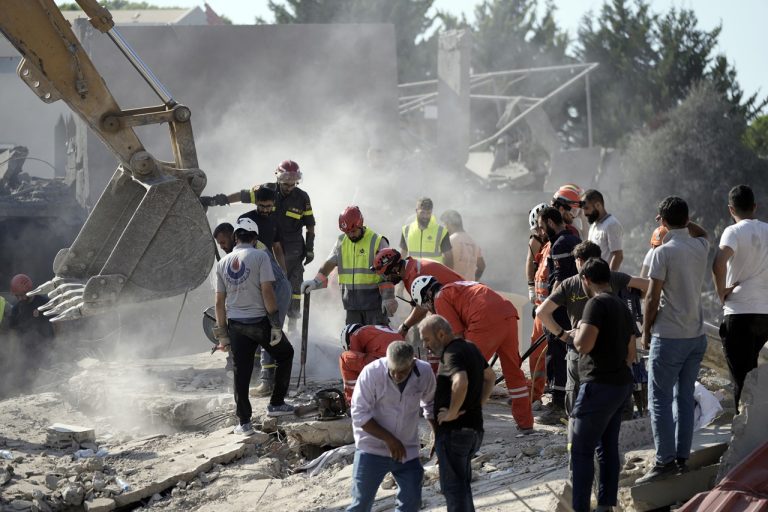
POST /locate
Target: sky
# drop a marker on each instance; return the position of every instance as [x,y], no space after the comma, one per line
[742,20]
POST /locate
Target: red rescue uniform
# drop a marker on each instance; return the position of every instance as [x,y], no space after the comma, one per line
[485,318]
[537,362]
[366,345]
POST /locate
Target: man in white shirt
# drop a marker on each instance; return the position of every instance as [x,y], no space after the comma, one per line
[604,229]
[386,402]
[740,272]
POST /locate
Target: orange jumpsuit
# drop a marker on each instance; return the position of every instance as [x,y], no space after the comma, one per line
[423,267]
[536,361]
[482,316]
[366,345]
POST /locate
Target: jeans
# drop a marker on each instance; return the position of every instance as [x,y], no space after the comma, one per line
[455,449]
[673,368]
[743,336]
[369,471]
[596,419]
[572,380]
[245,338]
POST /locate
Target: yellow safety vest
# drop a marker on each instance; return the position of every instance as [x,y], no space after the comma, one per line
[355,263]
[425,243]
[2,309]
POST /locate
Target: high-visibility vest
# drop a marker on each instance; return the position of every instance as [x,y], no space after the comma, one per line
[359,284]
[541,279]
[2,309]
[425,243]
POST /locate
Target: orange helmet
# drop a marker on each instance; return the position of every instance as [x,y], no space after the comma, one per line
[386,260]
[657,238]
[288,172]
[21,284]
[568,195]
[350,219]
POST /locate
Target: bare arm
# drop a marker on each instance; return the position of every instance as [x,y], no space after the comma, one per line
[277,250]
[586,335]
[652,301]
[631,350]
[615,260]
[696,231]
[221,311]
[268,294]
[448,259]
[545,312]
[327,268]
[489,382]
[534,246]
[639,283]
[480,268]
[719,271]
[417,315]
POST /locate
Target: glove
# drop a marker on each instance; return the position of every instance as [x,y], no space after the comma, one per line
[389,307]
[532,294]
[320,281]
[309,249]
[275,335]
[217,200]
[309,257]
[222,336]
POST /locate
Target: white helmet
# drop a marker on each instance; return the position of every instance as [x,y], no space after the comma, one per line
[420,285]
[246,224]
[346,332]
[533,215]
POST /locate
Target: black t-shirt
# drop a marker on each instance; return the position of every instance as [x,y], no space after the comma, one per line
[268,230]
[461,356]
[292,213]
[607,362]
[28,322]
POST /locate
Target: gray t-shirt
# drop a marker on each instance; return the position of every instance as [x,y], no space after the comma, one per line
[608,234]
[572,295]
[240,274]
[682,264]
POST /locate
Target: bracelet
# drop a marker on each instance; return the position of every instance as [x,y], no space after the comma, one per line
[560,334]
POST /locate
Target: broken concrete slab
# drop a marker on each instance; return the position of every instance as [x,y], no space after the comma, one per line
[635,434]
[321,433]
[749,431]
[679,488]
[99,505]
[60,435]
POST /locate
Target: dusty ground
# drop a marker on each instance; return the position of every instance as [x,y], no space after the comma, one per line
[148,414]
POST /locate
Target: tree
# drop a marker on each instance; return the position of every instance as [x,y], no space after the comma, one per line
[756,136]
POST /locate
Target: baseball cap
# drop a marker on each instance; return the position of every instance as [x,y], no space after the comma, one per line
[657,238]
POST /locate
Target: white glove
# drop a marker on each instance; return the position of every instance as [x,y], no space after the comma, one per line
[389,307]
[532,294]
[275,335]
[320,281]
[222,336]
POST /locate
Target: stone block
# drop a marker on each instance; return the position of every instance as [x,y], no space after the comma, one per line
[60,435]
[99,505]
[675,489]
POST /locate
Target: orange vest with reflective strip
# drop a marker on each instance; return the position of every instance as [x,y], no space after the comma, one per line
[541,278]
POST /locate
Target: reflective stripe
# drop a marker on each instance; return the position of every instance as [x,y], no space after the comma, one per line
[561,256]
[519,395]
[292,215]
[253,197]
[418,247]
[558,388]
[354,265]
[268,366]
[307,213]
[517,390]
[296,296]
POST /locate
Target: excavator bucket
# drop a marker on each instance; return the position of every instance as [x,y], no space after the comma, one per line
[142,241]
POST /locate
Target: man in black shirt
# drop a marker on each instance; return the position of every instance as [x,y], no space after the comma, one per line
[464,383]
[269,232]
[605,341]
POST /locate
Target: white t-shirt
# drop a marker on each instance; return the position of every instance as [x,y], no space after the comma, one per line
[608,234]
[748,266]
[646,263]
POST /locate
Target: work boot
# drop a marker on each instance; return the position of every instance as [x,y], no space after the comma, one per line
[554,415]
[682,465]
[264,389]
[659,472]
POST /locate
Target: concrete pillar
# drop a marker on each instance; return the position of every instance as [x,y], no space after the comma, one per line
[454,52]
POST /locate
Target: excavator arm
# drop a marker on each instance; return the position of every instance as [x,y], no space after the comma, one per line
[147,237]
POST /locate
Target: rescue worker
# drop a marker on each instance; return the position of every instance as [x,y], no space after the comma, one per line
[425,238]
[270,238]
[394,268]
[537,274]
[482,316]
[367,298]
[293,212]
[568,202]
[362,344]
[468,259]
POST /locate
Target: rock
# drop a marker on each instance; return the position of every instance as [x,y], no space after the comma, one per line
[266,467]
[155,497]
[60,435]
[181,484]
[21,505]
[512,451]
[554,450]
[6,474]
[99,505]
[52,481]
[196,484]
[269,425]
[38,494]
[388,482]
[41,506]
[99,484]
[175,492]
[488,468]
[531,451]
[73,494]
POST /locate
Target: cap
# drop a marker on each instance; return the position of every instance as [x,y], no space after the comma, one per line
[657,238]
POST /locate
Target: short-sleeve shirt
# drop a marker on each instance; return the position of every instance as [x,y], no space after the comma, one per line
[572,296]
[682,264]
[240,275]
[461,356]
[606,363]
[748,267]
[268,232]
[465,254]
[608,234]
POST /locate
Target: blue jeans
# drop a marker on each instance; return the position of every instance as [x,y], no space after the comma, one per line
[369,471]
[673,368]
[595,423]
[455,449]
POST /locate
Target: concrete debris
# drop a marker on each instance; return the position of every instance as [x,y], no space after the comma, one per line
[73,494]
[6,474]
[99,505]
[65,436]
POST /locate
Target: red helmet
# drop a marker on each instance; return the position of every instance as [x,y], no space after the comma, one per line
[288,172]
[350,219]
[21,284]
[385,261]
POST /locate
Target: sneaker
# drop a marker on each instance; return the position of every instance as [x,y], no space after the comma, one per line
[262,390]
[280,410]
[682,465]
[244,430]
[658,472]
[555,415]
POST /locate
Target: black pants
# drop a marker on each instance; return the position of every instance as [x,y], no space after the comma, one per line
[556,369]
[294,259]
[245,338]
[367,317]
[743,336]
